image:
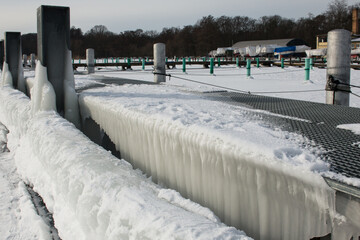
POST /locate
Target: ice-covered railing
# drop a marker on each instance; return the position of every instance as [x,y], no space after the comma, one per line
[252,177]
[92,194]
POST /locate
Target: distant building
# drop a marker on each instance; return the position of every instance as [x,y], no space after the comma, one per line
[267,48]
[273,42]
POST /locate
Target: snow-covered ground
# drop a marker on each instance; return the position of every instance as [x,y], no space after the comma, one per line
[18,217]
[268,81]
[94,195]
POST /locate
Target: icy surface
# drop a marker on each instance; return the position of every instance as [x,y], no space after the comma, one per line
[71,99]
[42,93]
[213,153]
[92,194]
[6,78]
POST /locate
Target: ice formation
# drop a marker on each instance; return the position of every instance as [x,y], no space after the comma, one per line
[92,194]
[71,99]
[6,78]
[269,196]
[42,93]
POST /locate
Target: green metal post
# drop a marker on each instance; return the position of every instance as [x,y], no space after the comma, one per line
[307,69]
[311,63]
[211,65]
[184,65]
[257,62]
[219,61]
[237,62]
[129,62]
[282,63]
[79,60]
[143,64]
[248,67]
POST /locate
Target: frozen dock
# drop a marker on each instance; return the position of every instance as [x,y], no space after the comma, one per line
[238,179]
[342,146]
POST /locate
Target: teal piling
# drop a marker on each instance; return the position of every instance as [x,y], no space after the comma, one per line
[311,63]
[257,63]
[282,63]
[219,62]
[248,67]
[307,69]
[184,64]
[143,64]
[211,65]
[237,62]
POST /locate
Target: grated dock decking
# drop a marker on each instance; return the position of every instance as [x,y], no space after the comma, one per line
[342,146]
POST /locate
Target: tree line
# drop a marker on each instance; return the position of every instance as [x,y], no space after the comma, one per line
[205,35]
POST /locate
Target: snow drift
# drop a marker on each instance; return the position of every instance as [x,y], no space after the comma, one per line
[92,194]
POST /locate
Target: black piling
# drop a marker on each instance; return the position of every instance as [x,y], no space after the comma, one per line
[12,54]
[1,53]
[53,26]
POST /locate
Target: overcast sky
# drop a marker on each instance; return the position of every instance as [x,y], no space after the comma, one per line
[121,15]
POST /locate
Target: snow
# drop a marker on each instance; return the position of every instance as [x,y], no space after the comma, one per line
[18,218]
[92,194]
[267,81]
[355,128]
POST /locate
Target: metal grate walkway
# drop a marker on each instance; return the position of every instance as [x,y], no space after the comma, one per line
[342,146]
